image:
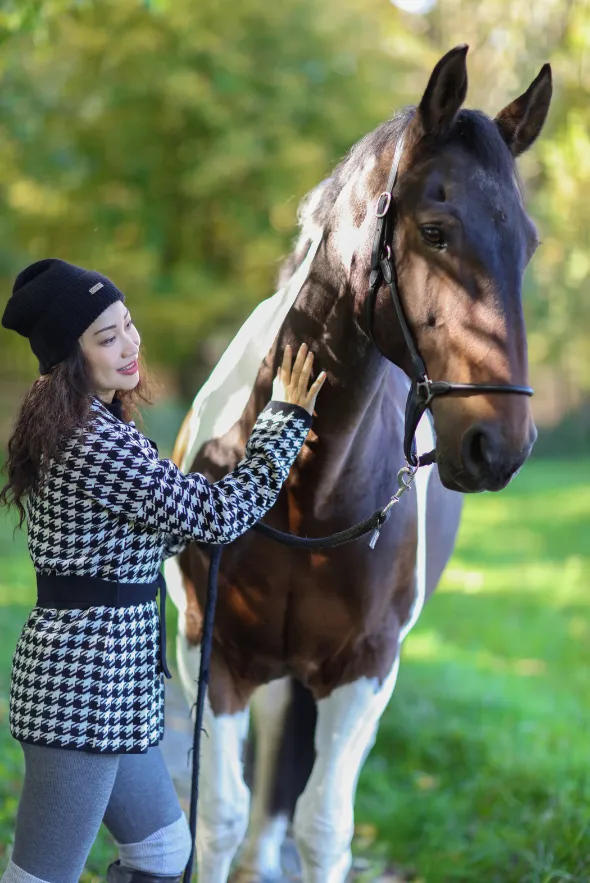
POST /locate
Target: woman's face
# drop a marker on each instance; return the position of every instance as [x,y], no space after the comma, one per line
[111,345]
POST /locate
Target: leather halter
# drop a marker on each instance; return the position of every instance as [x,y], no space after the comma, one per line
[422,389]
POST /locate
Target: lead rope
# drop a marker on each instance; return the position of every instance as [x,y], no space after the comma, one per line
[372,525]
[206,643]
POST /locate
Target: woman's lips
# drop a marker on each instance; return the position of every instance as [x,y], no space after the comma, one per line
[130,370]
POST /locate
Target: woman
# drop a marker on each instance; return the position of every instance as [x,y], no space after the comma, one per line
[102,513]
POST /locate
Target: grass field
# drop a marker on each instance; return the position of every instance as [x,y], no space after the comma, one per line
[481,771]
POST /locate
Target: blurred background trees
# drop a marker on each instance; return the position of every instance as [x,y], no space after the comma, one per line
[169,143]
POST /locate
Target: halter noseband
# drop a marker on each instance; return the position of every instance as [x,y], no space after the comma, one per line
[422,389]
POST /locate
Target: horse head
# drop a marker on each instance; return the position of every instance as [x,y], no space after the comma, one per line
[461,240]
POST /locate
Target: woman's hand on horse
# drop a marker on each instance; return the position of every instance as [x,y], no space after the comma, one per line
[292,384]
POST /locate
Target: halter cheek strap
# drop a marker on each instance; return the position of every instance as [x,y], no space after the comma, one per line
[422,389]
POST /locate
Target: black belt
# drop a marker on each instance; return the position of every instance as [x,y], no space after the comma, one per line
[81,592]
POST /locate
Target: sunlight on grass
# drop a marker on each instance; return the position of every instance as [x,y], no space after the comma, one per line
[558,582]
[481,770]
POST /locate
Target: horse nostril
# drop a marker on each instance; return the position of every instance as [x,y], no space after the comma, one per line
[489,458]
[478,450]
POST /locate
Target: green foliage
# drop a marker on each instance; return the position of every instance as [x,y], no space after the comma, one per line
[169,144]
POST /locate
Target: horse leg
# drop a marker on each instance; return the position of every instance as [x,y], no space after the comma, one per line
[261,856]
[324,817]
[224,799]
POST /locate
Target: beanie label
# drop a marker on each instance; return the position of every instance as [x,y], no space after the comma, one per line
[96,288]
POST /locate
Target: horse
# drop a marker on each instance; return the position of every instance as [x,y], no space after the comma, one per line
[311,640]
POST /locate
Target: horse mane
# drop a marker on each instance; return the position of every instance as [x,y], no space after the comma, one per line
[316,206]
[473,131]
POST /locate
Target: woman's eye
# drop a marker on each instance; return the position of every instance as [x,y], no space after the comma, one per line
[111,339]
[433,236]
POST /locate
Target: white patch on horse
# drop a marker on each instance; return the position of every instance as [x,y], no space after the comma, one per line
[175,585]
[261,857]
[221,400]
[224,799]
[324,817]
[347,236]
[309,228]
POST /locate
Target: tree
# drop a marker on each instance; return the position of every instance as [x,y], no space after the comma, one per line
[169,146]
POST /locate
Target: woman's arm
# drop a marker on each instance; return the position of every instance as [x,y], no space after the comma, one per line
[125,480]
[189,507]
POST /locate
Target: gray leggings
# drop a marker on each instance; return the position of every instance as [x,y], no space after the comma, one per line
[67,794]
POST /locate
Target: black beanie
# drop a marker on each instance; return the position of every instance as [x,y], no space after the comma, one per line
[53,303]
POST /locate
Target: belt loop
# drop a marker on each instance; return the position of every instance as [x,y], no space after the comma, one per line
[162,587]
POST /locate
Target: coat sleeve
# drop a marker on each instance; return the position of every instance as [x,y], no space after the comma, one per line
[172,546]
[187,507]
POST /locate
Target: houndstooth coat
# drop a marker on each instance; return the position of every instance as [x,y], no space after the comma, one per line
[90,679]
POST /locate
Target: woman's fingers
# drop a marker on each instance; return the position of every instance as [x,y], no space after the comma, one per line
[285,370]
[298,366]
[295,380]
[305,375]
[313,392]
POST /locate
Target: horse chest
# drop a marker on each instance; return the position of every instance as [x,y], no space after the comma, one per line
[292,612]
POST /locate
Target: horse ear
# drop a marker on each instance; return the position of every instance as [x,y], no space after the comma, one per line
[521,121]
[445,92]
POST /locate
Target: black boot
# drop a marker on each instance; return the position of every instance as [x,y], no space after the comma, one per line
[116,873]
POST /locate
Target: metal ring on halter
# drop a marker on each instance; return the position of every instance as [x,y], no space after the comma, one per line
[425,385]
[382,210]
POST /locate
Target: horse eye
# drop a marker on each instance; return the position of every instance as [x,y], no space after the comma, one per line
[433,236]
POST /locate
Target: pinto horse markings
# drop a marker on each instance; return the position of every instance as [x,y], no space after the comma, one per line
[334,621]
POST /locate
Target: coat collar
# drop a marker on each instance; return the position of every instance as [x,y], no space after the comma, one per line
[110,414]
[114,408]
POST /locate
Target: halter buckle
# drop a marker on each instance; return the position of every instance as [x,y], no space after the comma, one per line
[424,390]
[383,204]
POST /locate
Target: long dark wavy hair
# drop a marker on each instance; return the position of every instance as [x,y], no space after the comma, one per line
[57,405]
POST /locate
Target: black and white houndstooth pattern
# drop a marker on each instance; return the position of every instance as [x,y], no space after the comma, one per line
[90,679]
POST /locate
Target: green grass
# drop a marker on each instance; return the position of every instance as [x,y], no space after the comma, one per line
[481,771]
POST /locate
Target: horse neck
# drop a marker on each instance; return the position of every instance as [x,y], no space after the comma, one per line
[324,317]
